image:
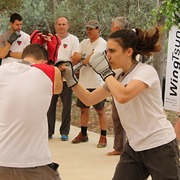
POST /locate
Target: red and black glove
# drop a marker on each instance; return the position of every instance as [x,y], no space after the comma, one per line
[53,46]
[15,35]
[36,38]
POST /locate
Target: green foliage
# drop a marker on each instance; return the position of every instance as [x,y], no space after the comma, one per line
[80,11]
[170,10]
[6,9]
[37,15]
[41,14]
[6,5]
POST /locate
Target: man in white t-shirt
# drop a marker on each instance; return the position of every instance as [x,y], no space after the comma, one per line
[90,80]
[25,95]
[69,45]
[13,41]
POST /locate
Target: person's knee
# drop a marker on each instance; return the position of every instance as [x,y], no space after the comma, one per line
[100,112]
[84,110]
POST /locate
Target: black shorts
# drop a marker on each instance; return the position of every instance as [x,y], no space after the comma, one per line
[97,106]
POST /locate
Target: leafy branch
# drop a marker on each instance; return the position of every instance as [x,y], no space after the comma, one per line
[170,10]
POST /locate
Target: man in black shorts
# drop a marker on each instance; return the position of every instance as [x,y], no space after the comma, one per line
[90,80]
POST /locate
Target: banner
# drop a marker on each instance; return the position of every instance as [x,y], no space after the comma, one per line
[172,87]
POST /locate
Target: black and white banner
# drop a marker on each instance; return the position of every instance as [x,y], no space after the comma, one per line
[172,88]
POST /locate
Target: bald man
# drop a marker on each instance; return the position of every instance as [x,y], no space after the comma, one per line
[69,45]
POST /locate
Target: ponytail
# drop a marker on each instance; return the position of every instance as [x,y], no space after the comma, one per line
[142,42]
[147,41]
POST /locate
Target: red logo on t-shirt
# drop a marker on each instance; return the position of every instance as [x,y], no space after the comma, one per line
[19,42]
[65,45]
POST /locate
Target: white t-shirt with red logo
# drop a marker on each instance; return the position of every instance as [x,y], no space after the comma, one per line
[69,45]
[18,45]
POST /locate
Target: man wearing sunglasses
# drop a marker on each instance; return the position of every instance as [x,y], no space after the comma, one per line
[90,80]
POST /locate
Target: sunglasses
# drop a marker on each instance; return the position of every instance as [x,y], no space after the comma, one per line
[90,29]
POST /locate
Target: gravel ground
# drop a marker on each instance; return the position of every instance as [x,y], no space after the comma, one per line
[94,123]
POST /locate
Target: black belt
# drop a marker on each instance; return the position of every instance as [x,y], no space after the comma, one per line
[53,166]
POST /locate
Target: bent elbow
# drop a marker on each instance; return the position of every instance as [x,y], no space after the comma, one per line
[60,89]
[122,100]
[88,104]
[1,56]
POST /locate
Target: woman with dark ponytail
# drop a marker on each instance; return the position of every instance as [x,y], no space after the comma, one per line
[151,147]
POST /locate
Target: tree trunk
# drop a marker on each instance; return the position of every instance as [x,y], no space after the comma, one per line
[159,61]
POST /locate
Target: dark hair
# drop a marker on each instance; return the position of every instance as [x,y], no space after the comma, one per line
[142,42]
[36,51]
[15,17]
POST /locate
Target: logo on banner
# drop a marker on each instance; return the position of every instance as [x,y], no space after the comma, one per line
[172,90]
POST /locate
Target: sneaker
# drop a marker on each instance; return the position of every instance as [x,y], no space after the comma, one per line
[113,153]
[64,137]
[80,138]
[102,142]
